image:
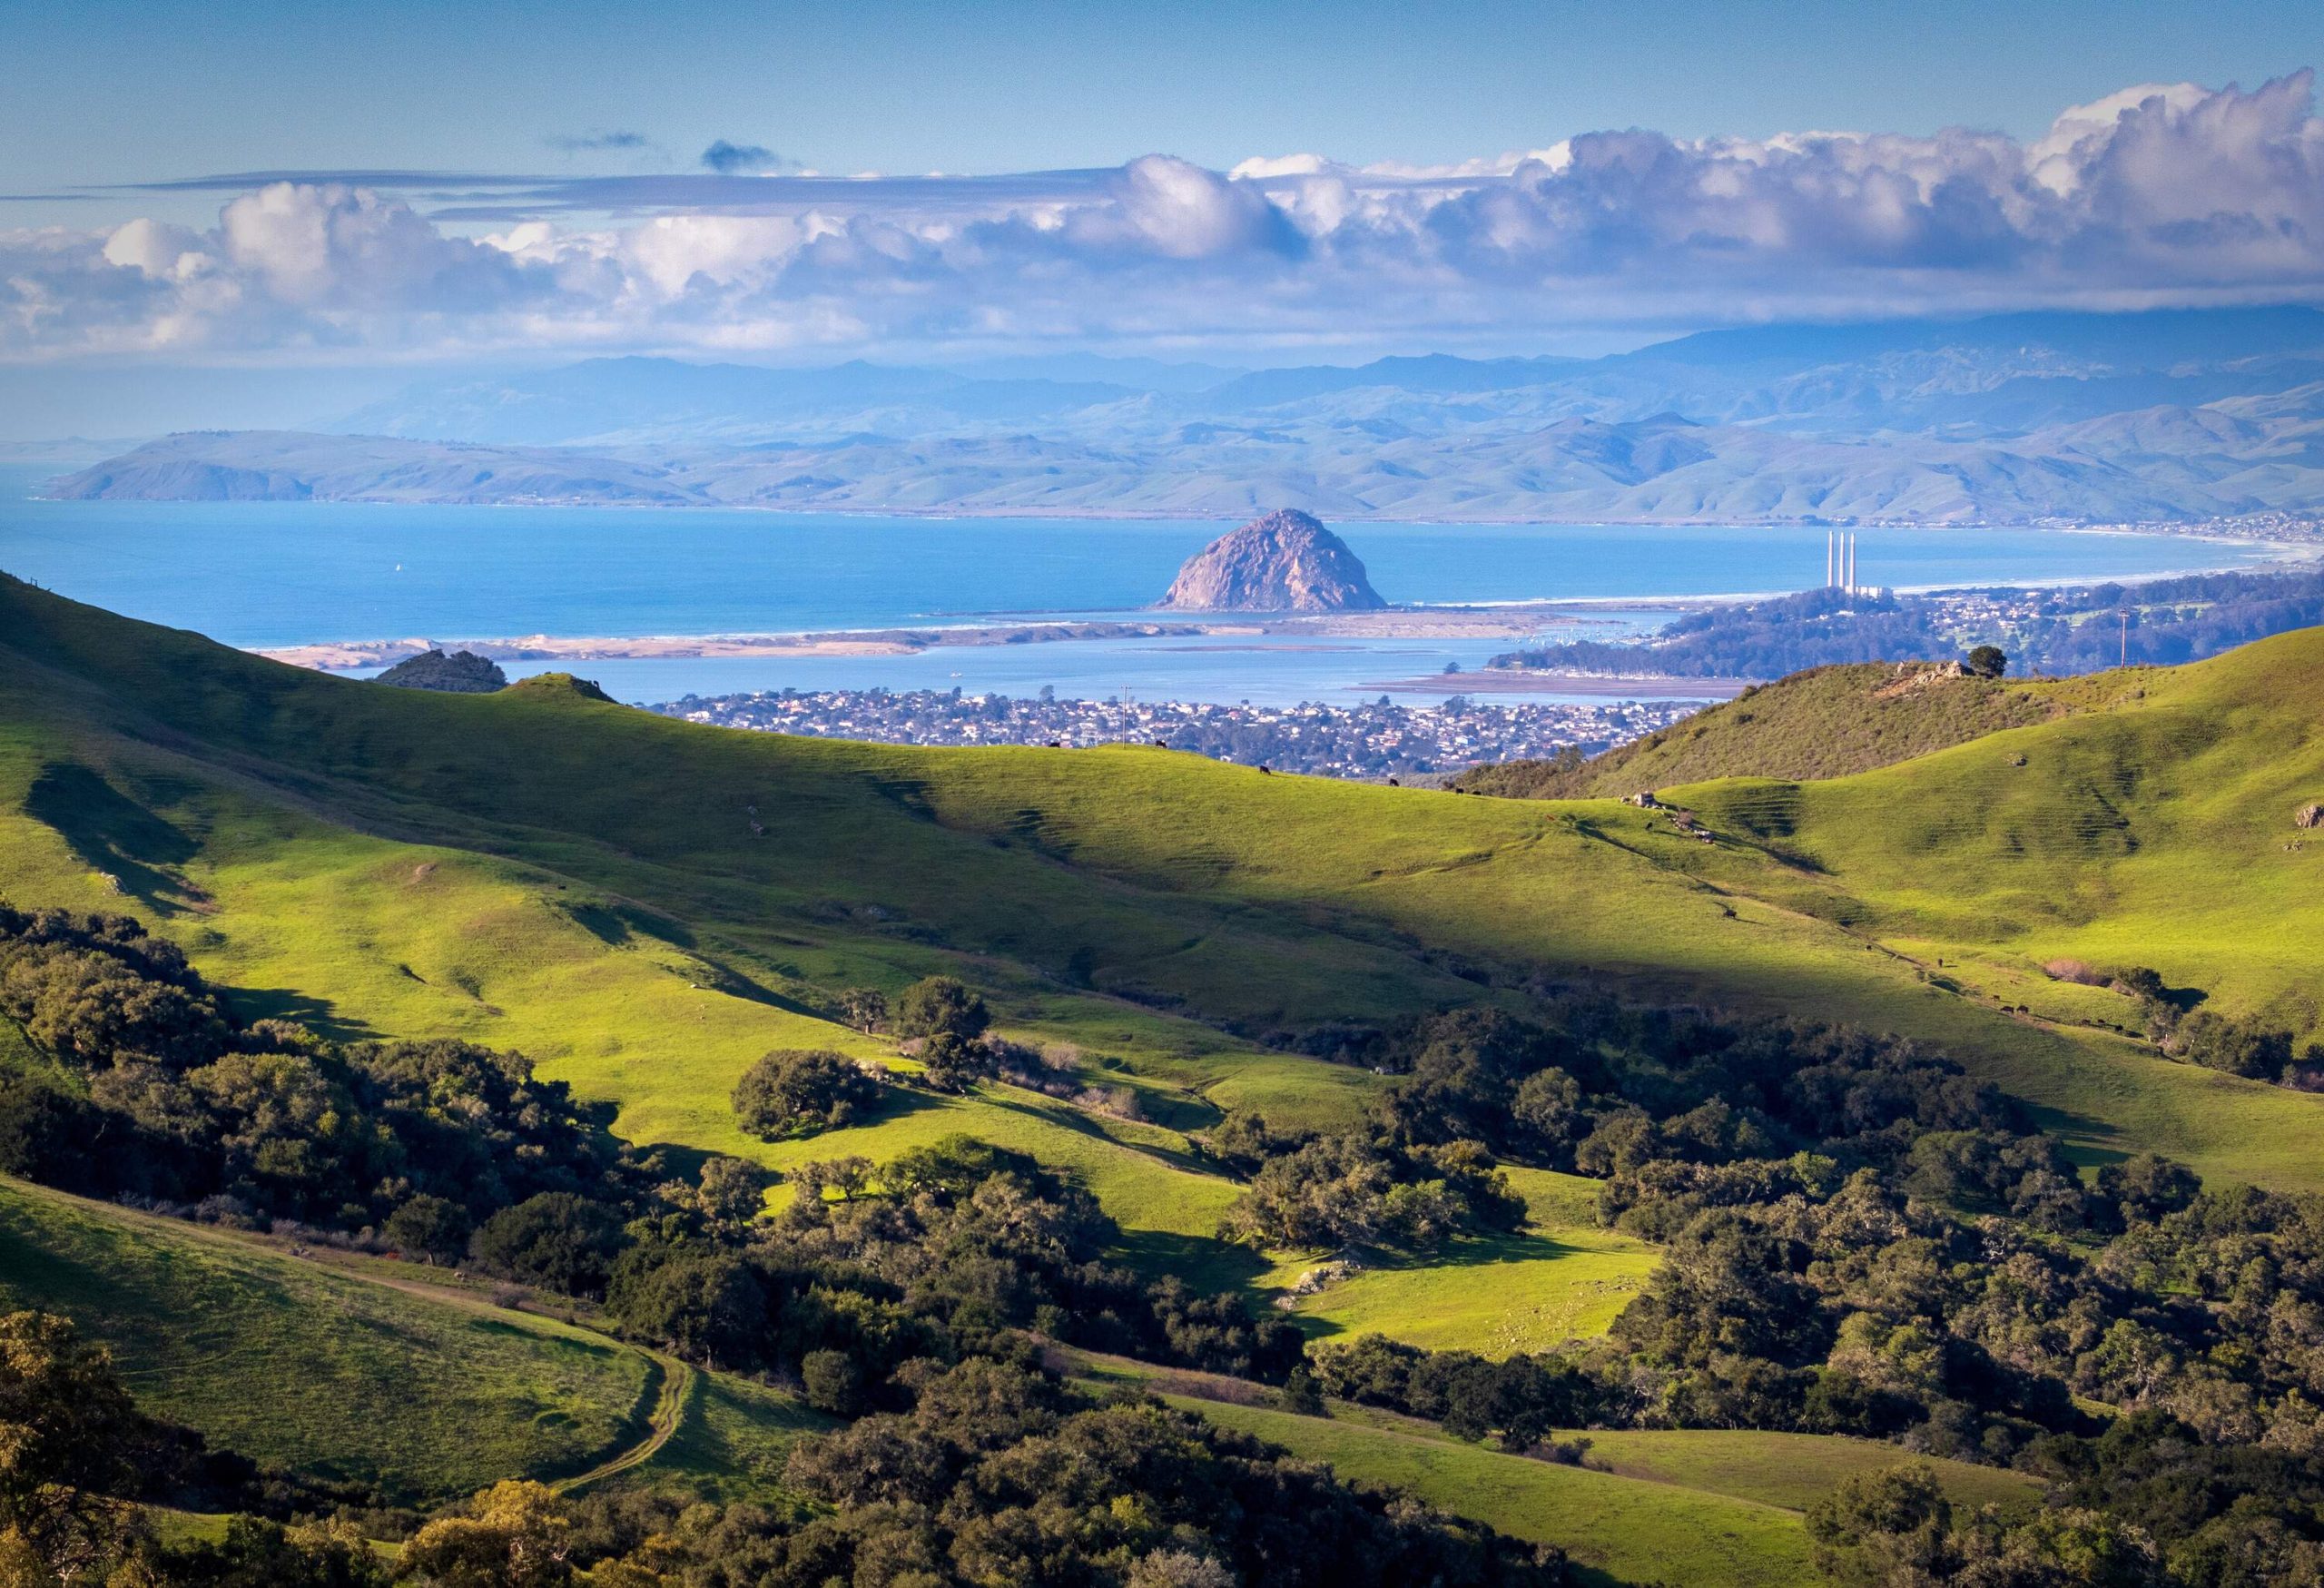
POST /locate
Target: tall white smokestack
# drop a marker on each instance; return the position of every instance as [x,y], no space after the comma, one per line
[1827,559]
[1851,564]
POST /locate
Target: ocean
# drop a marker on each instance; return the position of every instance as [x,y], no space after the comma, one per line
[279,574]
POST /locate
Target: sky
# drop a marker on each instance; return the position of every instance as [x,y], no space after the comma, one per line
[322,189]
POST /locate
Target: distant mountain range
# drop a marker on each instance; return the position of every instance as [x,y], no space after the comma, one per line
[2180,416]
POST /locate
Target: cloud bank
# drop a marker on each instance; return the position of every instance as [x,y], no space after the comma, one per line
[2159,194]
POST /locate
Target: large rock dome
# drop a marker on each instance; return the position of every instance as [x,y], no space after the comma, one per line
[1284,562]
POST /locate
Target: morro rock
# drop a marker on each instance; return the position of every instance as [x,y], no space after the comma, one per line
[1284,562]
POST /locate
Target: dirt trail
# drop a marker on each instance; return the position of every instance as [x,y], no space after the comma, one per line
[673,1380]
[669,1414]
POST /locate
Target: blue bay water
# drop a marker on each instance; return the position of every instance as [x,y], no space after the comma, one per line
[279,574]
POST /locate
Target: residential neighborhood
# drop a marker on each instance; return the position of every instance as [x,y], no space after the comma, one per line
[1373,742]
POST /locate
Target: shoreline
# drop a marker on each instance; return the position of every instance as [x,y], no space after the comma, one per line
[1516,620]
[1595,685]
[2309,537]
[1480,622]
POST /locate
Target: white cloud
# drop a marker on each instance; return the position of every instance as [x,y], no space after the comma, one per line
[1282,165]
[2155,195]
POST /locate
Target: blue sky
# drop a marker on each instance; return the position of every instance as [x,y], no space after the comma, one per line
[102,92]
[328,188]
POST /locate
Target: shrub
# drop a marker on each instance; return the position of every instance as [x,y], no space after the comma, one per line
[2238,1047]
[1987,662]
[72,1438]
[520,1537]
[954,1063]
[1301,1394]
[864,1008]
[940,1006]
[556,1240]
[797,1091]
[834,1384]
[428,1226]
[1335,1190]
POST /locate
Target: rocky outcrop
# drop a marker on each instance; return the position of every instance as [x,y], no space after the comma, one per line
[1284,562]
[461,672]
[2309,817]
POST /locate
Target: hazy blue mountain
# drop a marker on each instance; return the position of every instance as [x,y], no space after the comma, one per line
[2153,339]
[1097,369]
[642,399]
[2167,417]
[1438,373]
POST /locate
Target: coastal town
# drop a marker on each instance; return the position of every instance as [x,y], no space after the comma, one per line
[1375,741]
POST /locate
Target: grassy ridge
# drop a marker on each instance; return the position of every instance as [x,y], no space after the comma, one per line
[1825,721]
[299,1367]
[2160,833]
[371,1371]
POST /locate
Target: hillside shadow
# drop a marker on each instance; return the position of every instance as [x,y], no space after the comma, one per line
[724,978]
[1203,1262]
[318,1015]
[679,1161]
[1066,1117]
[1472,1251]
[2087,1142]
[897,1100]
[617,921]
[113,833]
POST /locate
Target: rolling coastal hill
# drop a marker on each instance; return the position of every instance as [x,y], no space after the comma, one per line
[412,1382]
[541,870]
[1825,721]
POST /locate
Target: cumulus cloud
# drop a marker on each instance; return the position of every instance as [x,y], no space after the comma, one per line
[2158,194]
[727,159]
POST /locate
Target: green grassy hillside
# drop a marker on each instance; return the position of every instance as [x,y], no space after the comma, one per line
[368,1371]
[1624,1529]
[543,870]
[1826,722]
[1699,1508]
[299,1366]
[2159,832]
[1693,1506]
[1565,1278]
